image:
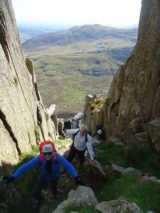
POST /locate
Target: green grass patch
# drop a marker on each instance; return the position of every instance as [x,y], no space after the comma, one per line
[128,155]
[133,189]
[111,153]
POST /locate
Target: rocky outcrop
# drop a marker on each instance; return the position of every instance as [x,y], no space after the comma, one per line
[93,112]
[132,105]
[22,114]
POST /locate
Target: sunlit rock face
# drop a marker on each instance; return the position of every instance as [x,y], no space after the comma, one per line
[135,90]
[22,114]
[94,112]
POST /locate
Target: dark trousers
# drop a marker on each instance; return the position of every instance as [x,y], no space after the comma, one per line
[73,152]
[41,183]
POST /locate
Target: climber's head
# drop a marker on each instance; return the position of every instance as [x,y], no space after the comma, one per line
[47,151]
[79,116]
[83,129]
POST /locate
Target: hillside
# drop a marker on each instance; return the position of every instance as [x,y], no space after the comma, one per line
[79,34]
[70,64]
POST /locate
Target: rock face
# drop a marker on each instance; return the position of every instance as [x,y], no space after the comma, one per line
[22,114]
[133,100]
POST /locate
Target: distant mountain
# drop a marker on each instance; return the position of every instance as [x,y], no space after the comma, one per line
[79,34]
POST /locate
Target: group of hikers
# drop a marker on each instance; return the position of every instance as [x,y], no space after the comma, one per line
[50,161]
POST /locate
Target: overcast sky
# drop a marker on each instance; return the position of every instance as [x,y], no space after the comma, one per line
[117,13]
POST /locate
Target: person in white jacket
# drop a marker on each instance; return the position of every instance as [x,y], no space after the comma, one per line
[81,141]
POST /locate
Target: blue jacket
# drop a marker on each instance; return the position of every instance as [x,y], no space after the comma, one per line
[35,162]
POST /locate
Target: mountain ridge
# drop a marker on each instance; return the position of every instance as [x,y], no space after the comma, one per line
[78,34]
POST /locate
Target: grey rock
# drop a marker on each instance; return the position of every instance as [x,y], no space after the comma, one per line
[60,127]
[155,123]
[125,171]
[79,197]
[120,169]
[51,109]
[130,170]
[114,206]
[152,178]
[74,212]
[82,196]
[116,141]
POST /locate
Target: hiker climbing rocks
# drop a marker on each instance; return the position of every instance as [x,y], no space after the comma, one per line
[81,141]
[100,133]
[49,162]
[74,122]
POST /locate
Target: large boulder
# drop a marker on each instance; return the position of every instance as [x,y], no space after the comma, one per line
[79,197]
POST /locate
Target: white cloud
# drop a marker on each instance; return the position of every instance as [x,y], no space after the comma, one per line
[106,12]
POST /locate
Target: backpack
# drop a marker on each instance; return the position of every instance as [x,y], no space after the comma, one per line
[71,124]
[42,155]
[74,135]
[67,124]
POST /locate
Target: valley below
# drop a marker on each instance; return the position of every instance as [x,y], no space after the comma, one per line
[78,64]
